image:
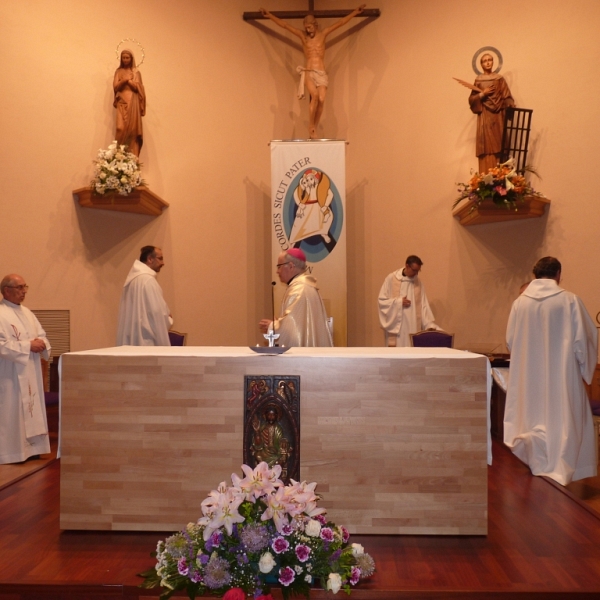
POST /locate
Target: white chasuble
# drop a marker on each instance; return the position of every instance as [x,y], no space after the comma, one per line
[400,321]
[548,420]
[144,317]
[303,320]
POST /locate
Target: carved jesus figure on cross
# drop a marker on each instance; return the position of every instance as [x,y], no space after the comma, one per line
[313,74]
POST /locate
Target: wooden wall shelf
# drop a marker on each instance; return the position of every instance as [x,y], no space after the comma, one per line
[141,201]
[487,212]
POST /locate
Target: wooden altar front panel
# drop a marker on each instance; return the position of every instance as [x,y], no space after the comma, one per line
[396,438]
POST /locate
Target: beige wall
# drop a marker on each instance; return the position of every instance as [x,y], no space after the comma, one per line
[220,88]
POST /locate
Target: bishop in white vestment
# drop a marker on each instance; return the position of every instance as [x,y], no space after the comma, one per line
[303,319]
[23,424]
[554,345]
[403,304]
[144,317]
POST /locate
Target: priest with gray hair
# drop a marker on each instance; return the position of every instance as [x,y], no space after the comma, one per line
[23,342]
[303,319]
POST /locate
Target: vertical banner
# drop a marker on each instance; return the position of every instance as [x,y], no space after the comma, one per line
[308,202]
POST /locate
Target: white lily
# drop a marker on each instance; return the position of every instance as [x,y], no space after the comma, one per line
[258,482]
[303,496]
[209,504]
[277,509]
[225,513]
[488,179]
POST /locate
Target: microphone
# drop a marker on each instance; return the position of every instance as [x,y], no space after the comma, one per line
[273,284]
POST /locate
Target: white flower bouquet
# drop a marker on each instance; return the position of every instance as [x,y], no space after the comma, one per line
[116,171]
[256,533]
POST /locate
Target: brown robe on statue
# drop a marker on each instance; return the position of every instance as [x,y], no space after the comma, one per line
[490,118]
[131,107]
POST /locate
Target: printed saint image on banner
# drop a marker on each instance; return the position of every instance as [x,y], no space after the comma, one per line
[308,205]
[313,214]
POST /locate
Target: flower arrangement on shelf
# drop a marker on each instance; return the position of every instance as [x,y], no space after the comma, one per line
[501,184]
[116,171]
[256,533]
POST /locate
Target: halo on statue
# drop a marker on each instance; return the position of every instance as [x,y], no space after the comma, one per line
[118,50]
[487,50]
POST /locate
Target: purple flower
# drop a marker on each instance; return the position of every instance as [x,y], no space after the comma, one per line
[321,519]
[196,576]
[216,573]
[280,545]
[302,552]
[213,541]
[242,559]
[254,537]
[354,575]
[345,534]
[182,566]
[286,576]
[335,556]
[204,559]
[287,529]
[327,534]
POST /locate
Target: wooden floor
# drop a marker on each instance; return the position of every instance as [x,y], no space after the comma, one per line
[586,490]
[541,544]
[11,473]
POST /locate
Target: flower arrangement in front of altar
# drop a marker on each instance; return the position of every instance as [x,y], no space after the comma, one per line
[116,171]
[256,533]
[501,184]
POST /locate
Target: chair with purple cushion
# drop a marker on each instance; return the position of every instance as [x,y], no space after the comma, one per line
[432,339]
[50,378]
[176,338]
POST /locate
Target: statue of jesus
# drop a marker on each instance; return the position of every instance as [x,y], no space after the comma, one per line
[313,74]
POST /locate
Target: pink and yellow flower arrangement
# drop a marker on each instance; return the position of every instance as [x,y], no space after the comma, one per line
[255,533]
[501,184]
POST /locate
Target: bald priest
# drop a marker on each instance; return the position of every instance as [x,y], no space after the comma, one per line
[23,342]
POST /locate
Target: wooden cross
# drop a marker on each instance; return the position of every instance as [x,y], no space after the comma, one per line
[313,77]
[319,14]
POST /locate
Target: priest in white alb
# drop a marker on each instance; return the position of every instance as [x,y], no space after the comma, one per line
[144,317]
[303,319]
[403,304]
[23,424]
[554,347]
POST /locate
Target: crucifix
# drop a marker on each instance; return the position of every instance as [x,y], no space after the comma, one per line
[312,75]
